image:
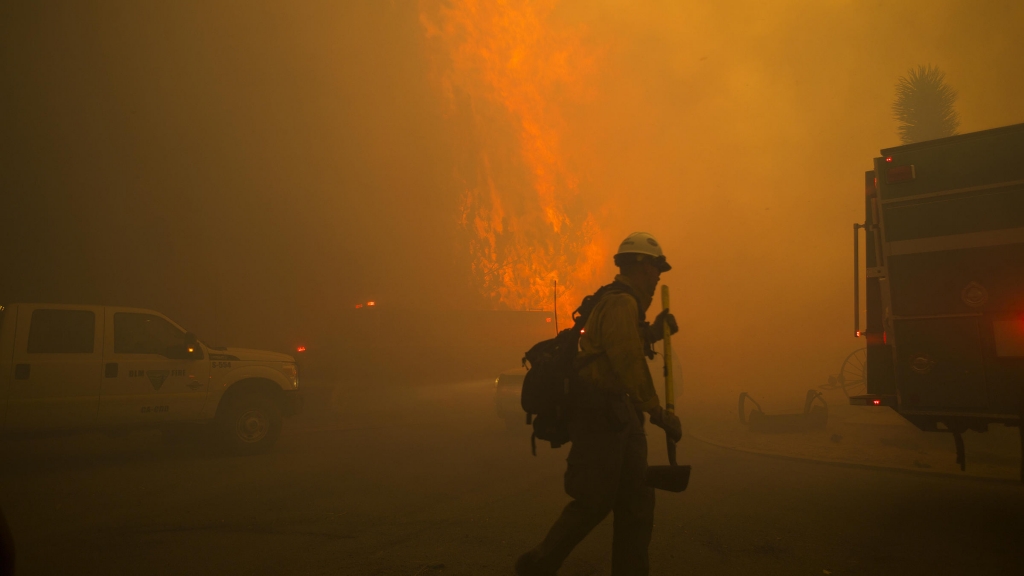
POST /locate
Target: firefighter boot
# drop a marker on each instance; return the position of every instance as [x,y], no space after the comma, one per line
[526,565]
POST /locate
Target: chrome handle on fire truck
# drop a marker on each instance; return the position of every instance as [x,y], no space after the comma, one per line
[856,277]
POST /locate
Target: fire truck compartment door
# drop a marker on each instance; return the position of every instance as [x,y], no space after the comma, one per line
[939,363]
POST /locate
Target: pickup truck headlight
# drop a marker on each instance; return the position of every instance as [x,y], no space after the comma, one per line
[291,372]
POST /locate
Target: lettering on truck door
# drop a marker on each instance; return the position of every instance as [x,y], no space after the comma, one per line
[55,376]
[149,375]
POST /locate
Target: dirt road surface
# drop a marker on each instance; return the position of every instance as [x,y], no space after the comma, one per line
[427,481]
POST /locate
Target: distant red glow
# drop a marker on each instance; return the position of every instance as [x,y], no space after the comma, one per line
[888,159]
[371,303]
[857,334]
[885,338]
[300,349]
[547,319]
[582,330]
[876,402]
[359,305]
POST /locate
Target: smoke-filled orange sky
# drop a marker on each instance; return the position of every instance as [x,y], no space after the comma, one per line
[241,165]
[736,132]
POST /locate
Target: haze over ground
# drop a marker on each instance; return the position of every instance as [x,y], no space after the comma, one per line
[253,170]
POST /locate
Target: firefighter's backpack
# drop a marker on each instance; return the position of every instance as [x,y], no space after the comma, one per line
[551,372]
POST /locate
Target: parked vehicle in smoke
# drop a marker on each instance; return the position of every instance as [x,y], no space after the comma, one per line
[507,389]
[67,368]
[945,282]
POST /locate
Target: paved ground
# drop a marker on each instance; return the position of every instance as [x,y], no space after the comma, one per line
[429,482]
[866,436]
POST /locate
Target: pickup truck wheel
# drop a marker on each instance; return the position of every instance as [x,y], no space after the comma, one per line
[250,423]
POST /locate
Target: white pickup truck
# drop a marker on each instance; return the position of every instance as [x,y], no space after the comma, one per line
[67,368]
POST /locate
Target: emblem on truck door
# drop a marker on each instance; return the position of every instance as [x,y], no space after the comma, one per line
[922,364]
[157,377]
[974,295]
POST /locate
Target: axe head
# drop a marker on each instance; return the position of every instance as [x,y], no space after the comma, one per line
[668,478]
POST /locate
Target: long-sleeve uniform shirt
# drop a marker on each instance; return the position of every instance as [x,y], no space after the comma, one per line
[614,337]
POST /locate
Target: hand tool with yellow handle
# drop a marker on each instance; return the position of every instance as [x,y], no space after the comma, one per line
[670,393]
[673,478]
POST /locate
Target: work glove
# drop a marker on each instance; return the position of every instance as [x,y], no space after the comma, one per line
[668,422]
[656,331]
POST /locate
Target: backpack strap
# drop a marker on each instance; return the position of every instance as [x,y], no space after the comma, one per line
[641,318]
[582,314]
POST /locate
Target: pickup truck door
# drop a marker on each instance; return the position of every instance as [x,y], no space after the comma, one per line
[55,369]
[148,374]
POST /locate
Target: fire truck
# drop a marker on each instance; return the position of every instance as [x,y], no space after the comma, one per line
[944,282]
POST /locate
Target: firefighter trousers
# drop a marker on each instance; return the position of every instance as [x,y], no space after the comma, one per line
[605,473]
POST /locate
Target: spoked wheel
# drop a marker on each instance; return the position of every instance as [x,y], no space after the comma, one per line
[252,426]
[250,423]
[852,376]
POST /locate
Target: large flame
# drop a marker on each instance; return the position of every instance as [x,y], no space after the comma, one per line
[509,73]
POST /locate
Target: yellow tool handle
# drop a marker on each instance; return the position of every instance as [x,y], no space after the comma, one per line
[670,396]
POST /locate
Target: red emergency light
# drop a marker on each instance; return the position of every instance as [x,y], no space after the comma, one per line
[300,349]
[359,305]
[888,158]
[371,303]
[876,402]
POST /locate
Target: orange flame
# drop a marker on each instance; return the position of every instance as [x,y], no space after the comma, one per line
[508,73]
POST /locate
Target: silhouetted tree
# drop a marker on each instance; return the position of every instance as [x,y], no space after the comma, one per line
[924,105]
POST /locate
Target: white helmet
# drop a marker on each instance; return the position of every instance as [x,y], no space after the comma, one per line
[643,244]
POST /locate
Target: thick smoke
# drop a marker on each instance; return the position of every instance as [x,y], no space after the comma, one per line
[253,171]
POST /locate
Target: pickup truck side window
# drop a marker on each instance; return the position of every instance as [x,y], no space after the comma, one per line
[62,332]
[147,334]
